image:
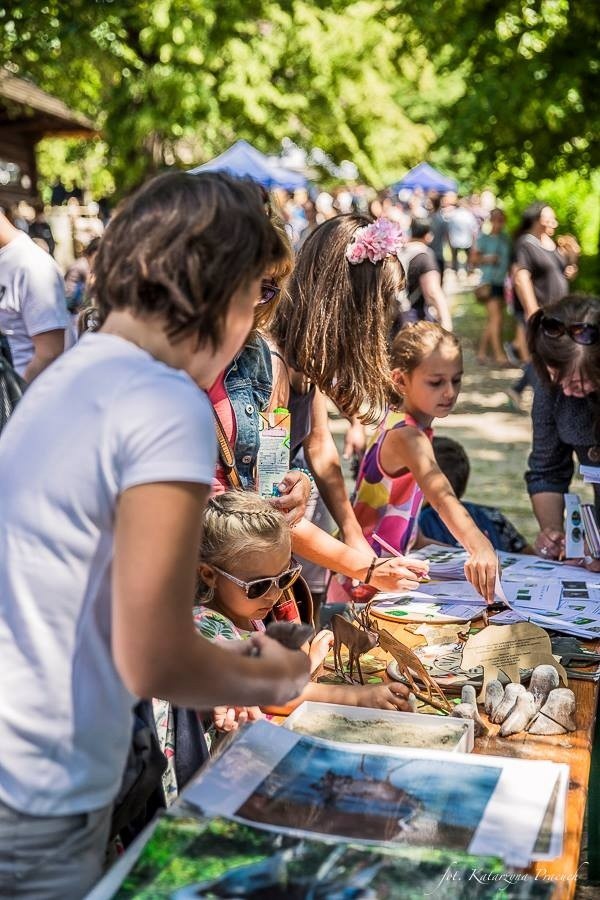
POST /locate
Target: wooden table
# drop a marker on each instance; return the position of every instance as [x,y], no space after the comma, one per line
[576,751]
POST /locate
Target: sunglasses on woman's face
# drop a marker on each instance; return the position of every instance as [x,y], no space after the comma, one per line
[580,332]
[258,587]
[269,290]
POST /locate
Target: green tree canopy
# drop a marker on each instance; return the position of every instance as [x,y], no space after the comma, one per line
[530,102]
[177,81]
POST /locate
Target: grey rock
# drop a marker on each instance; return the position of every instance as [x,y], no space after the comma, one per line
[543,680]
[468,695]
[468,711]
[557,715]
[522,713]
[494,694]
[511,694]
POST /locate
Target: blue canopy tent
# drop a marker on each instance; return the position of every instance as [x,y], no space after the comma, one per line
[427,178]
[243,160]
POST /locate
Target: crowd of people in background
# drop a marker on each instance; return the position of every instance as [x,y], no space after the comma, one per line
[205,303]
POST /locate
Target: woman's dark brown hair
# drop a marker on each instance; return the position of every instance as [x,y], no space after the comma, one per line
[278,273]
[562,355]
[333,323]
[180,247]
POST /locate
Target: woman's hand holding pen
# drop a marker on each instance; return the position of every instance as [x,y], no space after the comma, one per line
[398,574]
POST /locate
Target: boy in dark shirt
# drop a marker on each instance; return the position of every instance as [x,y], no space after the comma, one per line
[454,463]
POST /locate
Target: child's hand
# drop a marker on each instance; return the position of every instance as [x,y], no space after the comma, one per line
[395,575]
[481,569]
[383,696]
[229,718]
[320,646]
[419,566]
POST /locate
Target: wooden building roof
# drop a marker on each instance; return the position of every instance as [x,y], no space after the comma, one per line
[25,106]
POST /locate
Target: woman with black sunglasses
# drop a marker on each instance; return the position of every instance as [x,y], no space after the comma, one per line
[564,342]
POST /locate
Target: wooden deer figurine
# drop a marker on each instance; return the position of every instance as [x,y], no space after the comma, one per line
[357,639]
[408,663]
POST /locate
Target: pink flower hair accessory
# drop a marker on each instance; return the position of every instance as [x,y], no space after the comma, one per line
[375,242]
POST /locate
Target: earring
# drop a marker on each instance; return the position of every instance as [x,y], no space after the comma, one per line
[204,593]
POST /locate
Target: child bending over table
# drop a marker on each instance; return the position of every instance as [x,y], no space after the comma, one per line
[246,564]
[399,468]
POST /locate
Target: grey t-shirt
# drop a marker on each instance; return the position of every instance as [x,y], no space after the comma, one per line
[32,297]
[546,268]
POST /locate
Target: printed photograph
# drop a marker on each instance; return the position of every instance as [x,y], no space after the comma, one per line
[187,858]
[367,797]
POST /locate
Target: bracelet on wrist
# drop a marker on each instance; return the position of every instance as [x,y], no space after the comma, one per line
[306,472]
[370,570]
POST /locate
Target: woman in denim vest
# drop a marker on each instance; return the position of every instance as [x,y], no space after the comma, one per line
[242,395]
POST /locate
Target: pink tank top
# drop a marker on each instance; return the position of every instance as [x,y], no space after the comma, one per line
[388,506]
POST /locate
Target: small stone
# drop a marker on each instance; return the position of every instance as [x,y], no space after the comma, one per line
[412,702]
[468,711]
[543,680]
[494,694]
[511,694]
[557,715]
[468,695]
[523,712]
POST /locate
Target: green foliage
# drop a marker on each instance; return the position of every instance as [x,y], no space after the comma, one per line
[176,81]
[498,93]
[530,104]
[575,200]
[77,162]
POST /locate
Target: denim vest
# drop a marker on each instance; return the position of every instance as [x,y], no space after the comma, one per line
[249,382]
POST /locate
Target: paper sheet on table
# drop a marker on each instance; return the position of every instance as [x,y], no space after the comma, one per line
[419,606]
[515,567]
[590,474]
[533,595]
[294,784]
[461,591]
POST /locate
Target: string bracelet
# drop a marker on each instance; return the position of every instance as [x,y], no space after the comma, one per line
[370,570]
[306,472]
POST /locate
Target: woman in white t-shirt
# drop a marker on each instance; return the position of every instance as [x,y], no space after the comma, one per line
[105,469]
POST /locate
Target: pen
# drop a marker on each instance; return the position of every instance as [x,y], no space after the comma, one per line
[385,545]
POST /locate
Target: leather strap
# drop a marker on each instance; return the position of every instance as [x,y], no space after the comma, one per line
[227,455]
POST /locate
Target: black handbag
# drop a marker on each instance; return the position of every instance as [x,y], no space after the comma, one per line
[12,385]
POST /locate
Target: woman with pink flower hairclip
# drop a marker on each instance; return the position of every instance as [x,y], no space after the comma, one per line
[330,339]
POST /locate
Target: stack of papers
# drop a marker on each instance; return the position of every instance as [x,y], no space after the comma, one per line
[430,605]
[551,594]
[590,529]
[444,562]
[292,784]
[561,597]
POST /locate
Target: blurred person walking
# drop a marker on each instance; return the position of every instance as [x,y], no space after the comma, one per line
[492,253]
[462,232]
[424,298]
[541,278]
